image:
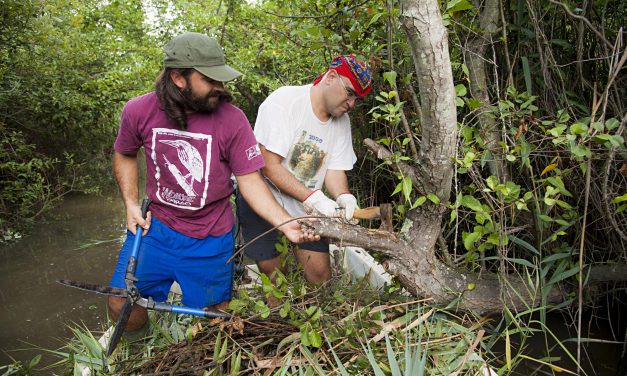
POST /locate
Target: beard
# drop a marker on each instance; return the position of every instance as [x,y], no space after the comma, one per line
[205,103]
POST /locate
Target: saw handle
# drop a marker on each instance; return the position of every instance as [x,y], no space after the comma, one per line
[372,212]
[132,261]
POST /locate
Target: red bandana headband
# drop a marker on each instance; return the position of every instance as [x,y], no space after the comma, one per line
[354,70]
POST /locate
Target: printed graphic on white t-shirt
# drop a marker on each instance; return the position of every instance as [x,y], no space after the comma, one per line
[305,159]
[182,161]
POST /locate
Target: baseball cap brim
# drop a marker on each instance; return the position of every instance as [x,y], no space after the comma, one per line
[222,73]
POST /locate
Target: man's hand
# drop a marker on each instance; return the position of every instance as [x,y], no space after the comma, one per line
[298,233]
[348,202]
[134,218]
[322,204]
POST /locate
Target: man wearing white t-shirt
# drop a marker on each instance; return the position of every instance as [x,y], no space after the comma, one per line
[305,138]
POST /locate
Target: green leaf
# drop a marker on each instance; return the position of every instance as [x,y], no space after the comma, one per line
[374,19]
[563,275]
[34,361]
[472,203]
[556,256]
[602,138]
[470,239]
[618,199]
[617,140]
[557,131]
[419,201]
[390,77]
[557,182]
[473,103]
[458,5]
[581,151]
[519,261]
[460,90]
[612,123]
[527,74]
[285,309]
[394,366]
[563,204]
[407,187]
[492,182]
[453,216]
[578,129]
[523,244]
[433,198]
[545,218]
[315,339]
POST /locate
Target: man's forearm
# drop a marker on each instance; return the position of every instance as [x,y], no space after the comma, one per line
[282,179]
[336,182]
[126,173]
[286,183]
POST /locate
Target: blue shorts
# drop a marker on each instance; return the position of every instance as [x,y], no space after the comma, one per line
[165,256]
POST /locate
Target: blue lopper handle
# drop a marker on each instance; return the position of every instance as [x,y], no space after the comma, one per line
[132,262]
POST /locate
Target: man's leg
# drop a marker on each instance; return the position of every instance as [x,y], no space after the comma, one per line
[139,315]
[268,267]
[316,265]
[152,272]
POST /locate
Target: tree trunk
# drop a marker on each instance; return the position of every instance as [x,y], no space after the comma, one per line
[412,257]
[475,58]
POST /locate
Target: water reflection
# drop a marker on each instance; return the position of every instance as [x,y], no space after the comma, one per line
[80,241]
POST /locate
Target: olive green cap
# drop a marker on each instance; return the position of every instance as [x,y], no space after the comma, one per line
[198,51]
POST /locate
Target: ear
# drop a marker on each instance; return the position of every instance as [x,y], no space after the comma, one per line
[332,75]
[178,79]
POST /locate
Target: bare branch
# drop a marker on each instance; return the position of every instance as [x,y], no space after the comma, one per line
[585,20]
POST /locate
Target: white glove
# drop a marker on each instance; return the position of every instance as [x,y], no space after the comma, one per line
[348,202]
[322,204]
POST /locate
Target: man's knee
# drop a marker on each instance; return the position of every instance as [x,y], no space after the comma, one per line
[138,317]
[115,305]
[317,274]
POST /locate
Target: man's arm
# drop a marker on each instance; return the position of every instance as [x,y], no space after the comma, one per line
[336,182]
[313,200]
[126,173]
[258,196]
[281,177]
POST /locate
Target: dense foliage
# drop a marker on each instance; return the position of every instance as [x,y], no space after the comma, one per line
[66,68]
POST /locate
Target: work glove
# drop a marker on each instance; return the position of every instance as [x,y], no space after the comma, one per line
[322,204]
[348,202]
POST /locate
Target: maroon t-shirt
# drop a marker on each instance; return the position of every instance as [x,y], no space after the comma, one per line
[188,173]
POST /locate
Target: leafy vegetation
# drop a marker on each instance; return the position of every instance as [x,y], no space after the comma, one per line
[345,328]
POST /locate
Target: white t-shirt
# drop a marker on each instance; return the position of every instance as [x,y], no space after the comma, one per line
[286,125]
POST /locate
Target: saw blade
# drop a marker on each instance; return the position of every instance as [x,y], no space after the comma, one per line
[99,289]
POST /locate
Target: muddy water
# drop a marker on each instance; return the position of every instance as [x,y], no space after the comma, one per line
[79,241]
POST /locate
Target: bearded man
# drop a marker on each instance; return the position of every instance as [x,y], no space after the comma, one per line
[194,139]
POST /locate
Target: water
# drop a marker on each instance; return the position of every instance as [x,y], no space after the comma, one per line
[79,241]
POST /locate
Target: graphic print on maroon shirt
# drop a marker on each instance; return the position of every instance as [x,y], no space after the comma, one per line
[182,160]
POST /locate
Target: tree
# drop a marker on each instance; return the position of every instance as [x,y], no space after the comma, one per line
[411,256]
